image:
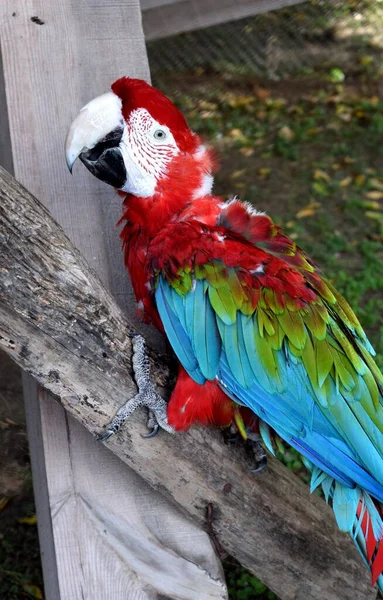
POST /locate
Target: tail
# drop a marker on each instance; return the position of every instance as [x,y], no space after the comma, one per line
[358,514]
[368,534]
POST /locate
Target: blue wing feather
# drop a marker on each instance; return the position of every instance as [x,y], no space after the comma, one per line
[340,439]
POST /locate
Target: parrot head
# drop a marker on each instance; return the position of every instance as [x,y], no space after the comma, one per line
[129,137]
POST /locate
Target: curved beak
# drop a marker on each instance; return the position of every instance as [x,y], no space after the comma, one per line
[95,136]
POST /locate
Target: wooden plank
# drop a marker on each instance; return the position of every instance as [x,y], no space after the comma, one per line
[5,136]
[163,18]
[270,5]
[41,488]
[268,521]
[32,408]
[57,56]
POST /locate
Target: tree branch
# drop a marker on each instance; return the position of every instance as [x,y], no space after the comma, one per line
[60,325]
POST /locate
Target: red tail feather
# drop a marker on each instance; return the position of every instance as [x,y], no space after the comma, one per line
[374,547]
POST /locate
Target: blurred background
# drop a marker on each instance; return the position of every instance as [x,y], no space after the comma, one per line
[292,101]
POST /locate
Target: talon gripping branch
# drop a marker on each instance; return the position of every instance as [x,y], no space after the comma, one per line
[252,320]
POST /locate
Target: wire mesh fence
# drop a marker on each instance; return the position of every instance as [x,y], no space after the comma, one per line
[274,44]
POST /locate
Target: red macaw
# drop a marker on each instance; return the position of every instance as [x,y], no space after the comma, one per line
[251,318]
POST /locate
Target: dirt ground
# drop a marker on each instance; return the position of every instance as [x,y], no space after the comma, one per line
[14,459]
[20,571]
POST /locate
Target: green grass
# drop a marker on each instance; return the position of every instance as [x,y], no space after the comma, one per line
[20,570]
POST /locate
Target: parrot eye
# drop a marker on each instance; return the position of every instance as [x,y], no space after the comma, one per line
[159,134]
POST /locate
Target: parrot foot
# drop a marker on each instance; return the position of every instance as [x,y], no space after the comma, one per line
[146,396]
[258,452]
[253,446]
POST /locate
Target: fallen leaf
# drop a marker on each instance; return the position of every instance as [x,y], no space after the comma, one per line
[12,423]
[235,133]
[276,103]
[286,133]
[374,195]
[334,99]
[321,175]
[239,101]
[261,114]
[295,109]
[345,115]
[314,131]
[33,591]
[336,75]
[207,114]
[3,502]
[345,182]
[237,174]
[360,180]
[360,113]
[320,188]
[32,520]
[366,60]
[305,212]
[264,172]
[261,93]
[372,204]
[375,216]
[205,105]
[376,184]
[247,152]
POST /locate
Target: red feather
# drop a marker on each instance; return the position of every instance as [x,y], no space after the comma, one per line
[192,403]
[136,93]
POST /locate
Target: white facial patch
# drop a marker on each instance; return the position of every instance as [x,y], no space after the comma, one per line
[147,148]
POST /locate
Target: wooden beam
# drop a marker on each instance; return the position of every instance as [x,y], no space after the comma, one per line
[60,324]
[163,18]
[32,408]
[57,56]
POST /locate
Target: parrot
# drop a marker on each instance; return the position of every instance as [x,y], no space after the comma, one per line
[260,334]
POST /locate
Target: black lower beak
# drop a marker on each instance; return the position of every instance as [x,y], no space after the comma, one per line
[105,160]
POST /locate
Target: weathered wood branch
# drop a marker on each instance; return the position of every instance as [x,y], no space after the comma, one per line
[60,325]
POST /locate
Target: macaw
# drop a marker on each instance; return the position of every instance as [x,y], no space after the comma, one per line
[252,320]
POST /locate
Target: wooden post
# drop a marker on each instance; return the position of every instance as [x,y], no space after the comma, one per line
[57,56]
[162,18]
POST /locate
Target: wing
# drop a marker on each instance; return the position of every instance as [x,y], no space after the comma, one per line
[280,340]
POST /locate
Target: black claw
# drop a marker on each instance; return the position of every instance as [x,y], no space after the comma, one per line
[102,437]
[152,433]
[254,449]
[260,466]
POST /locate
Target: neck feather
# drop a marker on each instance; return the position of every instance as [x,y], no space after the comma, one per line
[188,178]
